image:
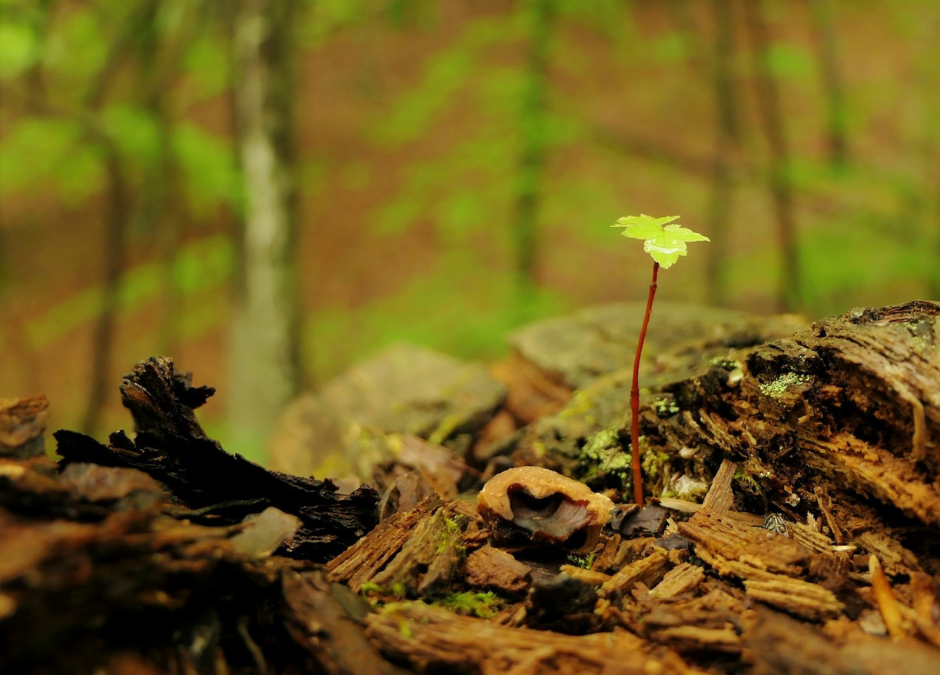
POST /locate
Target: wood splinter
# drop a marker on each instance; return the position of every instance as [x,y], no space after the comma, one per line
[884,596]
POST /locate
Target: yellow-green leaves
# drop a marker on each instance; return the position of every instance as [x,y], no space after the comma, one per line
[662,238]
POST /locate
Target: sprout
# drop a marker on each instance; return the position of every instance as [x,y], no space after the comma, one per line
[665,241]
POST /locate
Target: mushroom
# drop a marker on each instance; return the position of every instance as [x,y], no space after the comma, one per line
[543,506]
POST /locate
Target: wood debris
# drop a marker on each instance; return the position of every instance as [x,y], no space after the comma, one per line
[814,550]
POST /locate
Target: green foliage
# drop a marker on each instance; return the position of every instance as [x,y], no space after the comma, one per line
[663,239]
[19,48]
[207,67]
[49,154]
[451,307]
[790,61]
[208,165]
[199,267]
[134,131]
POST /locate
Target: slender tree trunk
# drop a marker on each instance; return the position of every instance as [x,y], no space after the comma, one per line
[727,144]
[265,346]
[161,199]
[532,156]
[779,181]
[118,214]
[833,90]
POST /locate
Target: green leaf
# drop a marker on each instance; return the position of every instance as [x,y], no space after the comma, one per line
[663,239]
[18,49]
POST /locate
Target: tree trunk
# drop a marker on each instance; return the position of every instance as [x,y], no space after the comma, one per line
[727,141]
[532,156]
[118,214]
[778,178]
[265,350]
[824,25]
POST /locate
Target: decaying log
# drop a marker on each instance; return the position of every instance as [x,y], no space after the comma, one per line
[171,447]
[814,550]
[433,639]
[96,578]
[778,644]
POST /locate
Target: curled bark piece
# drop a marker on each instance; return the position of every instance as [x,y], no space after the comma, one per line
[217,486]
[543,506]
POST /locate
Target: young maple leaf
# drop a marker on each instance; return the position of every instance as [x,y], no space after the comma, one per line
[662,239]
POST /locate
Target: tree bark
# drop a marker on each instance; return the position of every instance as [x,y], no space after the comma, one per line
[265,345]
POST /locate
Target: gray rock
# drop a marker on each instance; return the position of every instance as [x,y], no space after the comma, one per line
[340,430]
[578,348]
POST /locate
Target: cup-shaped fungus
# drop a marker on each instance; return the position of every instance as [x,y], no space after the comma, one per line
[540,505]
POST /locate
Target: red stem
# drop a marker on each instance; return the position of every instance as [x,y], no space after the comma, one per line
[635,397]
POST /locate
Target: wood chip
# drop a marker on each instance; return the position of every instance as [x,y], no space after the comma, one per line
[649,570]
[720,498]
[678,581]
[493,569]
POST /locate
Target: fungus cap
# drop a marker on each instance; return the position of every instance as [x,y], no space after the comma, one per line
[545,507]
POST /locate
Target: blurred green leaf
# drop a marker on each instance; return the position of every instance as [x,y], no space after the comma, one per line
[208,165]
[18,48]
[790,61]
[134,131]
[671,48]
[207,64]
[200,266]
[46,154]
[76,49]
[453,308]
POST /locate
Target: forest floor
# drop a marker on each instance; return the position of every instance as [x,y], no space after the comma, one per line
[793,524]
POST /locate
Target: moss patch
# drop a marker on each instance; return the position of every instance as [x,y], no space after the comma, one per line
[782,384]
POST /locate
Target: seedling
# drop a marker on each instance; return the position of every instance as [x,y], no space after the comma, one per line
[665,241]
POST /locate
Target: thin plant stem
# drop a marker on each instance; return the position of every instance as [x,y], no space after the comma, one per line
[635,397]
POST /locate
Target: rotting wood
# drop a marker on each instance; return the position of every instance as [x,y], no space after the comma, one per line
[790,451]
[778,644]
[678,581]
[649,570]
[172,447]
[364,559]
[720,498]
[22,425]
[493,569]
[436,640]
[884,596]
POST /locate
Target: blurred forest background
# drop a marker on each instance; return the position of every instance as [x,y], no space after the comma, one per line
[268,190]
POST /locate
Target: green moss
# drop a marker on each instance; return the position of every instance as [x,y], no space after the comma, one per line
[725,363]
[450,537]
[782,384]
[483,605]
[580,404]
[657,469]
[603,455]
[665,406]
[748,483]
[584,562]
